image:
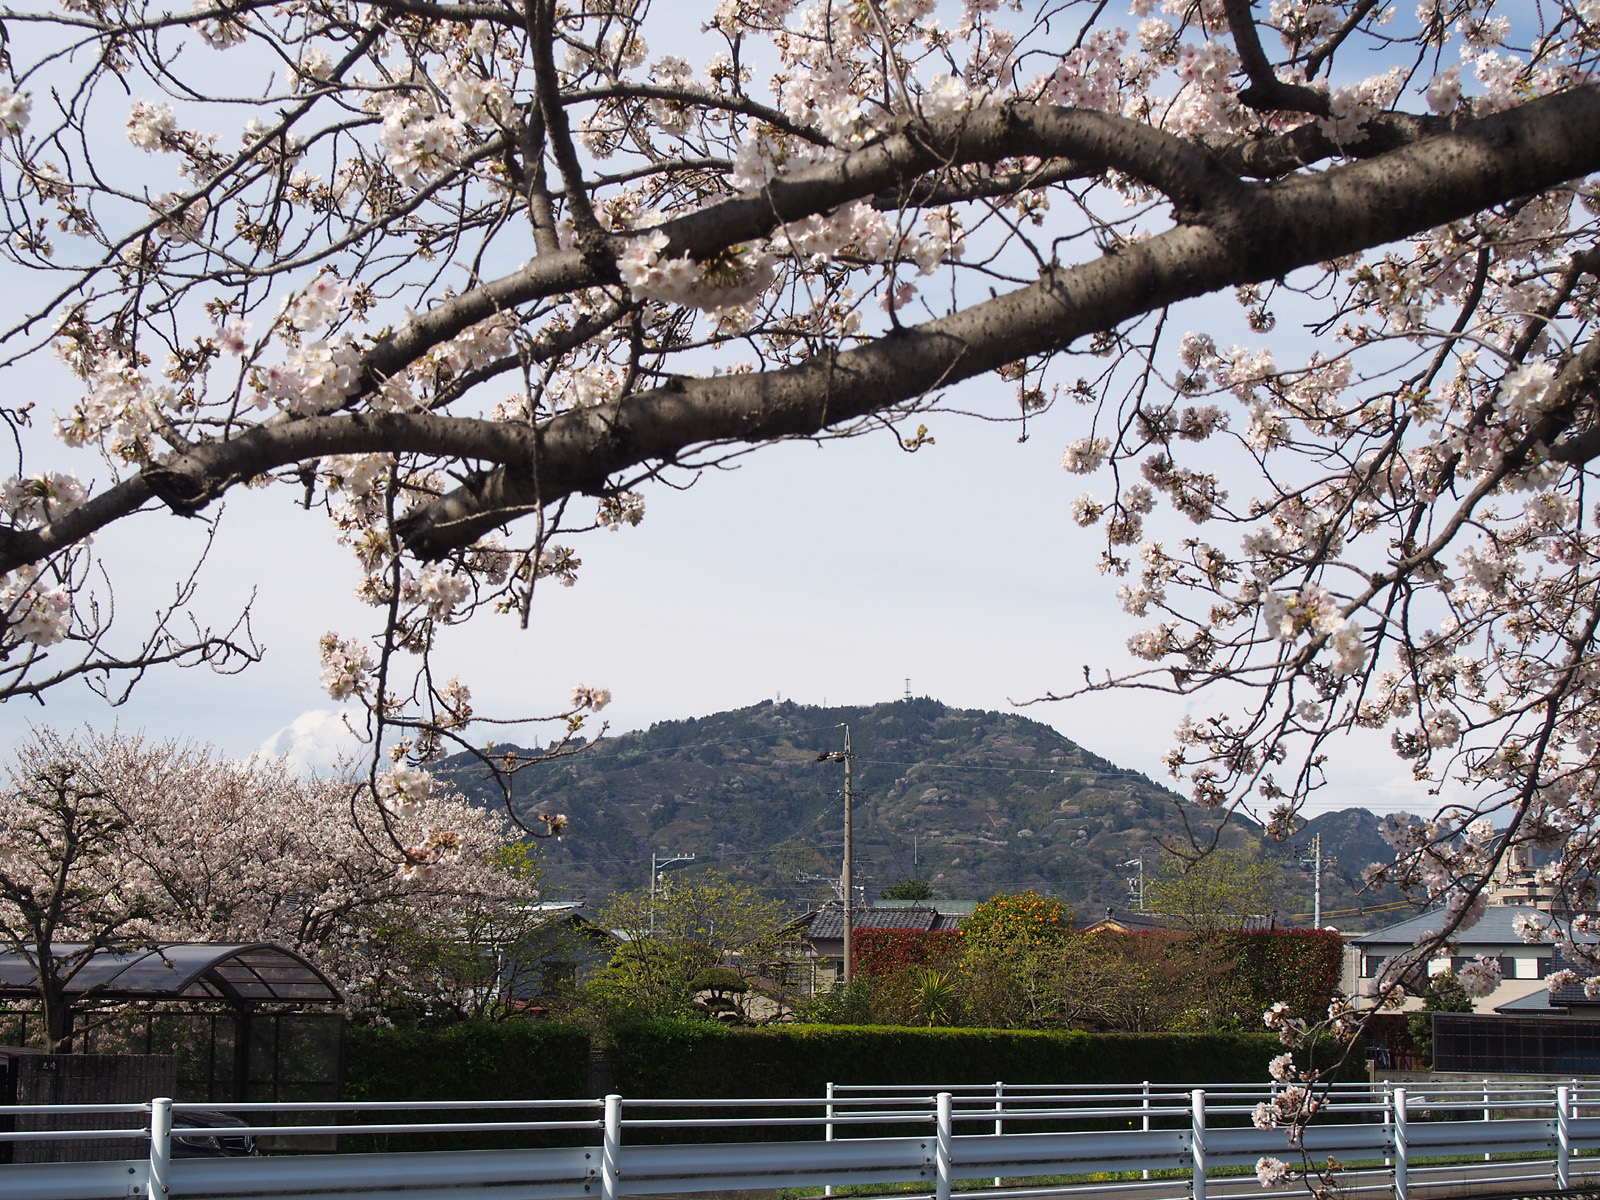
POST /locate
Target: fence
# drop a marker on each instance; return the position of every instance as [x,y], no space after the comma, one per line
[1013,1141]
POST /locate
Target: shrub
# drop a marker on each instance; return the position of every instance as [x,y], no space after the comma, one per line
[878,952]
[1298,966]
[1008,924]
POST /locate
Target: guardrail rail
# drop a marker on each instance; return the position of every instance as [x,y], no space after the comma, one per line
[1011,1140]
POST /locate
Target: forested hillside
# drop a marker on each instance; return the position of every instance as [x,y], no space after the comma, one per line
[986,802]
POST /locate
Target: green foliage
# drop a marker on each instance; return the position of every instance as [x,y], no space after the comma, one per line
[646,978]
[679,1058]
[857,1003]
[466,1060]
[702,922]
[1444,993]
[718,980]
[935,995]
[1215,892]
[1014,924]
[1132,983]
[908,889]
[1298,966]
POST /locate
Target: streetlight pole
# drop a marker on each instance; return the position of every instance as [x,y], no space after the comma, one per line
[1136,895]
[657,867]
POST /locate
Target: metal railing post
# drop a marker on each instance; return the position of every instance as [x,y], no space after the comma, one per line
[1563,1138]
[1487,1115]
[1402,1188]
[999,1107]
[1388,1107]
[160,1146]
[941,1161]
[611,1149]
[1146,1106]
[827,1133]
[1198,1186]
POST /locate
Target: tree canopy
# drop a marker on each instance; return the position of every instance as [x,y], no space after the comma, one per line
[111,842]
[473,278]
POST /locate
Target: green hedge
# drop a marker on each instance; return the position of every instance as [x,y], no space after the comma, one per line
[688,1058]
[468,1060]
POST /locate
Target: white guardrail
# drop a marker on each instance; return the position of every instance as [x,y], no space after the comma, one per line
[1135,1141]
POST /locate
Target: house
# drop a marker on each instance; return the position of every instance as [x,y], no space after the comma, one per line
[558,946]
[1148,922]
[1128,922]
[1523,965]
[821,932]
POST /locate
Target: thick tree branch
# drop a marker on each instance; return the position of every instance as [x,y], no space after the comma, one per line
[1177,167]
[1304,145]
[1250,233]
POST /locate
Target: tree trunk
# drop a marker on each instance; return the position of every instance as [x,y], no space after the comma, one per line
[57,1014]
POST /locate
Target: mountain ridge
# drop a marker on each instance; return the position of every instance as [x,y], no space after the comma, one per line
[975,801]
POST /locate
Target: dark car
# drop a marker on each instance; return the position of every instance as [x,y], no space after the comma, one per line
[215,1142]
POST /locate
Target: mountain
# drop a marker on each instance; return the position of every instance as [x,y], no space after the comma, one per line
[976,802]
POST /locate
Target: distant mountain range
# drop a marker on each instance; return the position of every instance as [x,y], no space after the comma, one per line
[975,802]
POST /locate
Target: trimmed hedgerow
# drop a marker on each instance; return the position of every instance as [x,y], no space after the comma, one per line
[677,1058]
[466,1060]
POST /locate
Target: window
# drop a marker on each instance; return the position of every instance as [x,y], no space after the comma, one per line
[1371,964]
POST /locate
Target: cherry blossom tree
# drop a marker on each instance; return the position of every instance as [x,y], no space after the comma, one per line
[108,840]
[471,278]
[66,890]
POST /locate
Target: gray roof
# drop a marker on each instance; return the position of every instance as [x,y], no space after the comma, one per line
[829,922]
[1534,1004]
[254,972]
[1495,927]
[1565,1002]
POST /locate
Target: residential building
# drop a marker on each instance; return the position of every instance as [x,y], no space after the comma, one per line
[1523,965]
[822,931]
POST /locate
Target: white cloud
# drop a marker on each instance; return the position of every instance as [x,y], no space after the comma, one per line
[313,741]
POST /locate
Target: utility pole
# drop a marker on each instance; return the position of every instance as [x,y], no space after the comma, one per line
[1315,857]
[847,877]
[1316,891]
[849,855]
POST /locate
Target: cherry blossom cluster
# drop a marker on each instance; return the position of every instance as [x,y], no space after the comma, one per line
[229,851]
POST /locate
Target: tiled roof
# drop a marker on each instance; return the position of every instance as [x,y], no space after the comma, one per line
[829,922]
[1572,993]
